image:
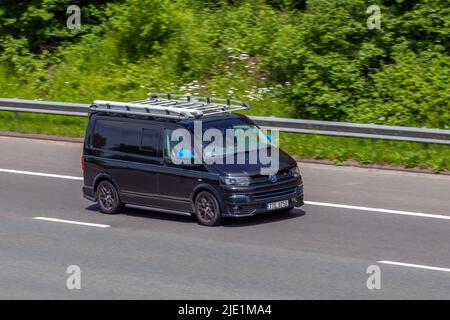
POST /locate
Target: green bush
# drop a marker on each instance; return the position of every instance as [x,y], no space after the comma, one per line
[311,59]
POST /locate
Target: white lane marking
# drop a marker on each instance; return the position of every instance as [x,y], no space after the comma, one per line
[50,175]
[410,265]
[313,203]
[406,213]
[73,222]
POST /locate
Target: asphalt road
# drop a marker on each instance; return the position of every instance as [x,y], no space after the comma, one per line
[354,218]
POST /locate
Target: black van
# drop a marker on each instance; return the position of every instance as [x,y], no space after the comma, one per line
[128,159]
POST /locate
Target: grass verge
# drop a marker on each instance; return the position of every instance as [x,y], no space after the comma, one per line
[43,123]
[368,151]
[337,149]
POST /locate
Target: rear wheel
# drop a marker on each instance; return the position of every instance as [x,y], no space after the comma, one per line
[207,209]
[108,198]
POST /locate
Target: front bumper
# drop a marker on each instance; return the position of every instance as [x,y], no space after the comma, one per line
[248,204]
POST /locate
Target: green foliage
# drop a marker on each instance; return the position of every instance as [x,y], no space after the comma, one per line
[42,22]
[143,26]
[412,91]
[45,124]
[309,59]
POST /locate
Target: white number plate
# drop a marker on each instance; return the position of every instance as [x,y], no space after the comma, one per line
[277,205]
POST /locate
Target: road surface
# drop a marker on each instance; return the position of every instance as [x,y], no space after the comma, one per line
[354,218]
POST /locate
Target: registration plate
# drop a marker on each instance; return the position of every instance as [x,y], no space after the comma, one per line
[277,205]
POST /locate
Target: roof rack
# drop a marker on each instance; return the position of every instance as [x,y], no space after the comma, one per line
[173,106]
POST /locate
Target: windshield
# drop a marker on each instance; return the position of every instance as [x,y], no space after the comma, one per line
[228,137]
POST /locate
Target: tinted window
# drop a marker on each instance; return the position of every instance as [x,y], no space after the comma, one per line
[107,134]
[130,139]
[150,142]
[168,144]
[116,135]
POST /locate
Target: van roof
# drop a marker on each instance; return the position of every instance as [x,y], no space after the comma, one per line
[171,106]
[183,122]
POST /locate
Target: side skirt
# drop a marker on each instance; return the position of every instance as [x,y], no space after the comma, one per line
[159,209]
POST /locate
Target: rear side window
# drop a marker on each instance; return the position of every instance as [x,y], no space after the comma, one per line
[150,142]
[107,135]
[126,137]
[130,140]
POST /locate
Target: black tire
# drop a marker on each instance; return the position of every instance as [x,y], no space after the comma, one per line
[207,209]
[108,198]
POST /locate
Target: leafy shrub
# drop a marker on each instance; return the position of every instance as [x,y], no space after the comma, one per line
[309,59]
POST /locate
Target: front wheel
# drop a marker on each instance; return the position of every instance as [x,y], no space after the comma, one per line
[207,209]
[108,198]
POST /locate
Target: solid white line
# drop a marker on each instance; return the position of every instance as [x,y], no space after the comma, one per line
[419,266]
[406,213]
[313,203]
[73,222]
[50,175]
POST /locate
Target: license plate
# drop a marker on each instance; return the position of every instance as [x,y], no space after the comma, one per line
[277,205]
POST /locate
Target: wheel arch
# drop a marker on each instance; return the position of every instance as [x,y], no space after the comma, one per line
[205,187]
[104,176]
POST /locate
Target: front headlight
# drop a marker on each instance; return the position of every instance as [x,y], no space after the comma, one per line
[236,181]
[295,172]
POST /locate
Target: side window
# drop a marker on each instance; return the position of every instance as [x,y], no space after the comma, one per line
[126,137]
[130,139]
[168,144]
[150,142]
[107,135]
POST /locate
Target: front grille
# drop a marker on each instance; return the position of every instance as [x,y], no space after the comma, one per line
[273,193]
[266,179]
